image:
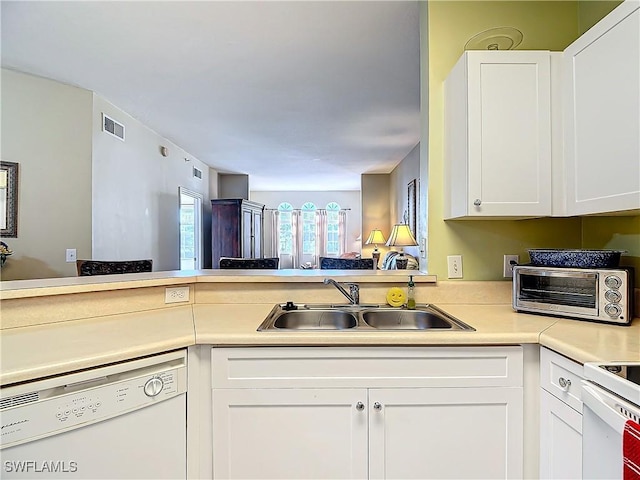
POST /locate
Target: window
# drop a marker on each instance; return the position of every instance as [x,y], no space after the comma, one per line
[308,229]
[333,230]
[286,235]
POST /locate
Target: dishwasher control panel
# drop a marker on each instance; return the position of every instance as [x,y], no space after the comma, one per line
[41,413]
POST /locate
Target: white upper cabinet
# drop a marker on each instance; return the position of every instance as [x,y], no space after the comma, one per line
[601,73]
[498,135]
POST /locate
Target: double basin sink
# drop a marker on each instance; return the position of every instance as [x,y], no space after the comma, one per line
[288,316]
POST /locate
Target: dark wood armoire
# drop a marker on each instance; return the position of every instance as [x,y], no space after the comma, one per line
[236,229]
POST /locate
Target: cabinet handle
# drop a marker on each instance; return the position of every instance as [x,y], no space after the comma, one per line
[359,406]
[565,383]
[377,406]
[477,202]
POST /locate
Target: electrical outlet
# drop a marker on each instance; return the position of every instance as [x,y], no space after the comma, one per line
[71,255]
[507,265]
[454,263]
[176,294]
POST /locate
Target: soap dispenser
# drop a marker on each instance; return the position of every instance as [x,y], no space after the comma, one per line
[411,297]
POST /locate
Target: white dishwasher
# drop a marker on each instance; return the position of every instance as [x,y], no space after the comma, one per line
[121,421]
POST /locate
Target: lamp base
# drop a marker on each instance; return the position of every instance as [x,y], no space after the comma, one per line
[401,262]
[376,257]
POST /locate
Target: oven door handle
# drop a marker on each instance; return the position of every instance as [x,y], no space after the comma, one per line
[596,400]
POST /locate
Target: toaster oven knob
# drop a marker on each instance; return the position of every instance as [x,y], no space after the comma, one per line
[612,281]
[612,310]
[613,296]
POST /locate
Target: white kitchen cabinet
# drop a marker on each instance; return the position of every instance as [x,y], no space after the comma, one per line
[367,412]
[601,71]
[289,433]
[560,417]
[431,433]
[498,135]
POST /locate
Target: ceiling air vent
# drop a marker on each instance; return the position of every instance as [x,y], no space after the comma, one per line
[112,127]
[197,173]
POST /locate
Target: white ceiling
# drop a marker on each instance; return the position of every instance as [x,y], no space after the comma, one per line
[302,95]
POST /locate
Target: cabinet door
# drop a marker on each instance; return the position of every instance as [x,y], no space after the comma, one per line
[247,237]
[560,439]
[509,133]
[602,115]
[446,433]
[257,235]
[289,433]
[498,135]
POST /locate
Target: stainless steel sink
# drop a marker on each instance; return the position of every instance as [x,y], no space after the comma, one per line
[288,316]
[405,320]
[315,320]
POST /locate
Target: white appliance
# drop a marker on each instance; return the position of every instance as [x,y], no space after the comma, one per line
[121,421]
[611,396]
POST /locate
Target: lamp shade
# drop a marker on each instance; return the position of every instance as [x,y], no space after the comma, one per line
[401,236]
[376,238]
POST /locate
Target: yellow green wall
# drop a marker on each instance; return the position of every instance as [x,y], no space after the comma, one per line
[548,25]
[591,11]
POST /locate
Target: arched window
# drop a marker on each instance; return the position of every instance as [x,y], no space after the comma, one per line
[284,223]
[308,228]
[333,231]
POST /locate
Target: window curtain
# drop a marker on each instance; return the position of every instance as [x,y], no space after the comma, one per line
[275,234]
[342,231]
[296,244]
[321,235]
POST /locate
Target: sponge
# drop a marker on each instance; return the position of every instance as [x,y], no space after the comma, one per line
[396,297]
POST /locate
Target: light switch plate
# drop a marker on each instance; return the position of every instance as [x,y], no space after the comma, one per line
[454,263]
[71,255]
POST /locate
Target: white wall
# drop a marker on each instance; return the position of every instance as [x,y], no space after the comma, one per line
[346,199]
[135,191]
[233,186]
[46,129]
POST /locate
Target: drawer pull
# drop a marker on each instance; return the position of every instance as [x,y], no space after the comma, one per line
[565,383]
[377,406]
[359,406]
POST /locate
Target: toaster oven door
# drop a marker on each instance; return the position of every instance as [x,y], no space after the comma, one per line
[569,291]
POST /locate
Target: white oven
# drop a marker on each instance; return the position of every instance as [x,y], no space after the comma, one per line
[611,397]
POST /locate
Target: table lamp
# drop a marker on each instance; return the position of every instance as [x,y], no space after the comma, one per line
[401,236]
[375,237]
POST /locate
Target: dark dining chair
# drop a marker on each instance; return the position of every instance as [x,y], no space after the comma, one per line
[250,263]
[107,267]
[328,263]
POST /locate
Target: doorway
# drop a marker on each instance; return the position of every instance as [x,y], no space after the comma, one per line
[190,229]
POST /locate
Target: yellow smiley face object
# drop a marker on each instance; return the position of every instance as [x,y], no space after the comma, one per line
[396,297]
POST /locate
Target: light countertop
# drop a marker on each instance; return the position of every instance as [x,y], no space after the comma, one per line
[71,285]
[43,350]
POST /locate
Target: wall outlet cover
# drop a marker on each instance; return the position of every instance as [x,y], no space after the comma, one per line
[176,294]
[508,264]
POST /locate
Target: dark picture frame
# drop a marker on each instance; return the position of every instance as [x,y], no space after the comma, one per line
[11,199]
[412,194]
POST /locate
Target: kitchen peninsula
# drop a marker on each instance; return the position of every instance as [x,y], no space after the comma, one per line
[57,326]
[53,326]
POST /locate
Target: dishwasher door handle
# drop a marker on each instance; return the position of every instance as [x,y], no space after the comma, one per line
[603,404]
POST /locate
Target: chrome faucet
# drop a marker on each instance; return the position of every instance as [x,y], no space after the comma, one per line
[354,290]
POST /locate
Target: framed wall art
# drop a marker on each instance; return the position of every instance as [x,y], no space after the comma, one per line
[412,193]
[8,199]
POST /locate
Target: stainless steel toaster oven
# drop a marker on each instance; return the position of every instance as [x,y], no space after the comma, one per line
[601,295]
